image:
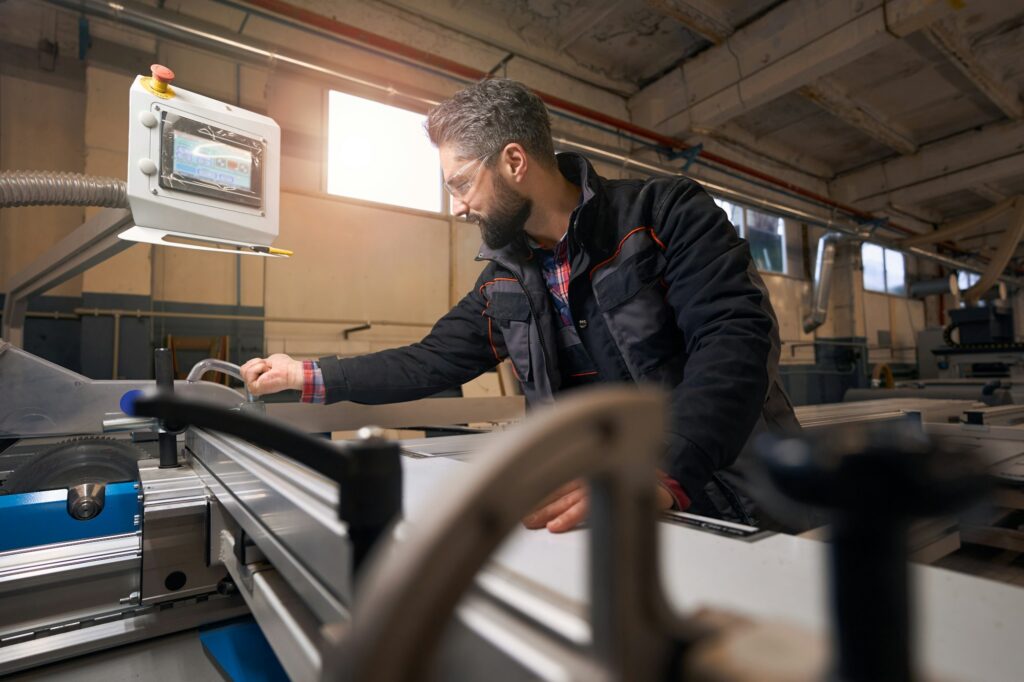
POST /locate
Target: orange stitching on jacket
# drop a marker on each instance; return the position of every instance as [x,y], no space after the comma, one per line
[619,249]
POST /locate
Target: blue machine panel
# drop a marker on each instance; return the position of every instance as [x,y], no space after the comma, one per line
[33,519]
[241,652]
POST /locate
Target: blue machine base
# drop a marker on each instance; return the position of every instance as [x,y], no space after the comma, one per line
[241,651]
[34,519]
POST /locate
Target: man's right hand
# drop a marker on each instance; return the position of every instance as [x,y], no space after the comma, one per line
[278,372]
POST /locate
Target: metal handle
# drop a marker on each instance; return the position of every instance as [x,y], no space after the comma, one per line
[222,366]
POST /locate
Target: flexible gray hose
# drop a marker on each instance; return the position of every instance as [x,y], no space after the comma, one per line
[41,188]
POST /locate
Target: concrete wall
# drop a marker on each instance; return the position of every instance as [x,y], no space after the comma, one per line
[354,261]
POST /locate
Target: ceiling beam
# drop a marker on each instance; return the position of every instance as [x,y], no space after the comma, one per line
[833,98]
[967,178]
[989,193]
[965,161]
[792,45]
[731,135]
[698,16]
[951,41]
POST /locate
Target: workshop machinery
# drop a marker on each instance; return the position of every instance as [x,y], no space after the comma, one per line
[262,524]
[137,508]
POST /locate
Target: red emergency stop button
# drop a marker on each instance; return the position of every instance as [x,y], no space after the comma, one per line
[162,76]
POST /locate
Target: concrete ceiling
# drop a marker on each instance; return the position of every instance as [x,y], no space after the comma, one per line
[909,108]
[617,44]
[905,108]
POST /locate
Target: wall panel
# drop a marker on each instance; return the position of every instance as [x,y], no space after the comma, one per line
[356,262]
[40,129]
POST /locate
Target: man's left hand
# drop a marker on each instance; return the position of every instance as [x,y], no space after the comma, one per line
[567,507]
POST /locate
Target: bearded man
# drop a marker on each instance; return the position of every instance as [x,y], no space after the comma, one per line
[587,281]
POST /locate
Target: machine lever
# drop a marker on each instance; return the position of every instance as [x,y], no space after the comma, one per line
[163,371]
[874,481]
[368,472]
[222,366]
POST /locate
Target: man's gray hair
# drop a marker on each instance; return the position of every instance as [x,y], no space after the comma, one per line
[490,114]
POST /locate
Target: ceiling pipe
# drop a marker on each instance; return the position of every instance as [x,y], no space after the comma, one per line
[206,36]
[1004,252]
[955,229]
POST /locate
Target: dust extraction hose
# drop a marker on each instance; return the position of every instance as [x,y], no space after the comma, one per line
[42,188]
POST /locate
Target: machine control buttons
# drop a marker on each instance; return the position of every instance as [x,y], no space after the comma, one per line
[148,119]
[159,83]
[147,166]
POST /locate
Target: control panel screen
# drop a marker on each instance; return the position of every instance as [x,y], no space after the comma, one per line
[200,159]
[212,161]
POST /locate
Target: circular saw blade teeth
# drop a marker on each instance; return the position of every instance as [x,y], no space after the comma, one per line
[76,461]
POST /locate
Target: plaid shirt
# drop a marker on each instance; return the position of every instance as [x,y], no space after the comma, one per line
[313,390]
[554,265]
[575,363]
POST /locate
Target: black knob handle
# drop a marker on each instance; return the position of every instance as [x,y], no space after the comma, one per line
[873,481]
[163,371]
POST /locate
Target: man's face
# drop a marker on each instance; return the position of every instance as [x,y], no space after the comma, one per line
[483,196]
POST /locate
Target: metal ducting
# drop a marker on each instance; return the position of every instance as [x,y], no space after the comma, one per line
[933,287]
[823,268]
[37,188]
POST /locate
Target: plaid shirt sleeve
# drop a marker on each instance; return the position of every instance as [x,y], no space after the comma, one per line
[312,383]
[680,500]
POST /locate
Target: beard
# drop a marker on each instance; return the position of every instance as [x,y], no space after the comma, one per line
[507,220]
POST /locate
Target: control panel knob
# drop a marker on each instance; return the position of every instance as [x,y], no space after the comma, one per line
[147,166]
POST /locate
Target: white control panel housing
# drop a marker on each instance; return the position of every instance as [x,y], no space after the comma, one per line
[201,172]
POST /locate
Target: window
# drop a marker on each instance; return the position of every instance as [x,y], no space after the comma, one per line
[767,236]
[765,232]
[966,279]
[380,153]
[884,270]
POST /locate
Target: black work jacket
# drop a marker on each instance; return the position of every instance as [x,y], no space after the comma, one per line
[662,291]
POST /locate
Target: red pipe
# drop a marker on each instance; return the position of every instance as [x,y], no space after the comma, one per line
[385,44]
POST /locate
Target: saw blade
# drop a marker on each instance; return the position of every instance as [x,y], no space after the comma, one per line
[74,462]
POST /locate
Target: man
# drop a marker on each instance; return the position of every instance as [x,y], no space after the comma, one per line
[588,280]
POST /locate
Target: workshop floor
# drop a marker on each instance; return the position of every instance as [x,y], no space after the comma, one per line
[174,658]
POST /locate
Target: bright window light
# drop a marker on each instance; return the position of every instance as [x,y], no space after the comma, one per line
[884,270]
[765,232]
[733,211]
[381,153]
[895,273]
[767,236]
[966,279]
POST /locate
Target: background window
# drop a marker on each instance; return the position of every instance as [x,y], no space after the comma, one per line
[884,270]
[965,279]
[765,232]
[380,153]
[767,236]
[734,212]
